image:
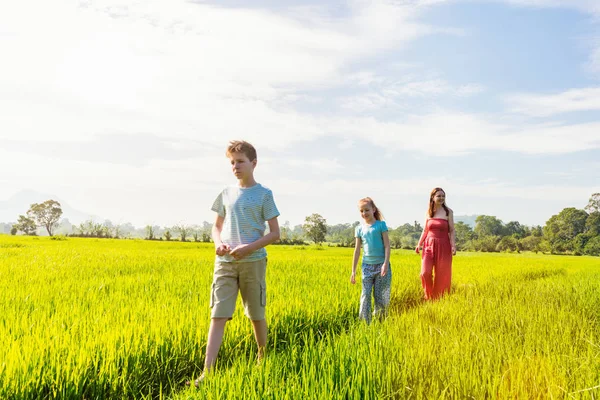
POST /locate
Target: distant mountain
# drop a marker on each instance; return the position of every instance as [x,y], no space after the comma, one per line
[20,202]
[467,219]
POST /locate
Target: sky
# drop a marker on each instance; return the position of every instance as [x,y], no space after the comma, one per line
[124,108]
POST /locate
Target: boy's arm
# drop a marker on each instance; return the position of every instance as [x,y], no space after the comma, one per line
[357,245]
[220,248]
[243,250]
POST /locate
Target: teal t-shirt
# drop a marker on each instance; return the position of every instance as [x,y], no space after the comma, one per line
[372,241]
[245,211]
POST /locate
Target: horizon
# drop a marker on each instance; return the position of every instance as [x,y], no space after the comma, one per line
[124,109]
[467,219]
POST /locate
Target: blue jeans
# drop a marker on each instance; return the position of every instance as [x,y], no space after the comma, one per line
[380,286]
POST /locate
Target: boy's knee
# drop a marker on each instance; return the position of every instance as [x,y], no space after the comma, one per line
[219,321]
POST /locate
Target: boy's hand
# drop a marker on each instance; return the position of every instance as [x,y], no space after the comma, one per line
[223,249]
[240,251]
[353,278]
[417,249]
[384,269]
[453,250]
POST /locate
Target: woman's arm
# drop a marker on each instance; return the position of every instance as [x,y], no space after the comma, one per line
[423,236]
[451,231]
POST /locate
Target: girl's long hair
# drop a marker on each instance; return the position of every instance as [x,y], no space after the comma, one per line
[432,203]
[377,212]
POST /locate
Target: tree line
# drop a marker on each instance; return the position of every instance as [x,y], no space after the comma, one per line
[571,231]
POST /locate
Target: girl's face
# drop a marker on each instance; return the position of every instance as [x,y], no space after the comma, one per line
[366,212]
[439,197]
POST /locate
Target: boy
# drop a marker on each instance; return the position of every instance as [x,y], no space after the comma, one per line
[241,261]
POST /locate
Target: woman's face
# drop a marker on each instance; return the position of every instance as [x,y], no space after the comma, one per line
[439,197]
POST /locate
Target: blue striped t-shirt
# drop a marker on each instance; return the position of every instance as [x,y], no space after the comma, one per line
[245,211]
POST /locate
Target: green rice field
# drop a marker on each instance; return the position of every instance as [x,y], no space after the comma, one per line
[113,319]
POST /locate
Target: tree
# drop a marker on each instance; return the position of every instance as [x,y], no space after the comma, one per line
[343,234]
[183,230]
[168,235]
[149,232]
[85,228]
[592,224]
[508,243]
[531,243]
[315,228]
[46,214]
[593,203]
[285,231]
[514,228]
[486,243]
[410,234]
[206,232]
[395,236]
[13,230]
[26,225]
[98,229]
[464,234]
[592,247]
[486,225]
[561,229]
[118,231]
[537,231]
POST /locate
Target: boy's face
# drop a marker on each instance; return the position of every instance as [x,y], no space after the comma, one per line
[241,166]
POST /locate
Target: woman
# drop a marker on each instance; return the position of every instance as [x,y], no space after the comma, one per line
[438,243]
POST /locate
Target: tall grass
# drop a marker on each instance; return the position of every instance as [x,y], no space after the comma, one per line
[85,318]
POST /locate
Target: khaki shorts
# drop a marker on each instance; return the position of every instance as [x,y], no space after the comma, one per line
[249,278]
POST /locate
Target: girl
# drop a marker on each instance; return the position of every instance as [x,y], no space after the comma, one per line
[438,243]
[372,234]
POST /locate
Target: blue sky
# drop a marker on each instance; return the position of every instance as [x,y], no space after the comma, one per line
[123,108]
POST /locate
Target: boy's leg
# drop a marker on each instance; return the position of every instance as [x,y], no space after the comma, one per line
[222,301]
[253,288]
[260,334]
[215,338]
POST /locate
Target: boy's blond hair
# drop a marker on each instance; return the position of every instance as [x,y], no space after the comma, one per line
[241,146]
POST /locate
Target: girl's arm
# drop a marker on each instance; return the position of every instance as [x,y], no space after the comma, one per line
[357,245]
[386,246]
[451,231]
[423,236]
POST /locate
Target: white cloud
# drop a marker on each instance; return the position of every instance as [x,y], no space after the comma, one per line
[400,94]
[184,71]
[323,165]
[590,6]
[451,133]
[178,69]
[584,99]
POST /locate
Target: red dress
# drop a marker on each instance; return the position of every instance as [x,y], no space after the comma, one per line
[436,259]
